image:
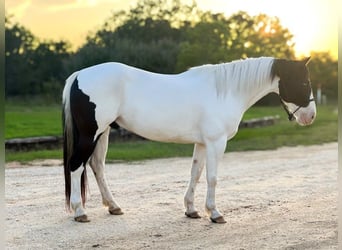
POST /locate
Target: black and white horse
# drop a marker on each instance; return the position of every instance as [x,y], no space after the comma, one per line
[203,106]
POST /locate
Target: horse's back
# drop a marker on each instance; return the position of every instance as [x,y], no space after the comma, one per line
[103,75]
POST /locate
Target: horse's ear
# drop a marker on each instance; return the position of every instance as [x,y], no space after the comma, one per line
[306,60]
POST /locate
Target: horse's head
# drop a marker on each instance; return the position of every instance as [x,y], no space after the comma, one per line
[295,90]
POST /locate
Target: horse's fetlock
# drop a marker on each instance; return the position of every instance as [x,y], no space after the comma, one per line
[75,205]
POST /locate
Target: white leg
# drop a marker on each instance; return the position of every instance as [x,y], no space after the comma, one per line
[75,196]
[97,163]
[196,171]
[215,152]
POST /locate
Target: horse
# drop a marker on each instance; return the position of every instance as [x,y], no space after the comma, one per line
[202,106]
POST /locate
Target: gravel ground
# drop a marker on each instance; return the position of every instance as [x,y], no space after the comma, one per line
[276,199]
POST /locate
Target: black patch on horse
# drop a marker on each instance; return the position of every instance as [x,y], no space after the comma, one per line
[85,126]
[294,83]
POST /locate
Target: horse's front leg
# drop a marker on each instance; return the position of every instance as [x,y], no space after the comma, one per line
[196,171]
[215,151]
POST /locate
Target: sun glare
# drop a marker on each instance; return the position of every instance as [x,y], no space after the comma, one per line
[20,9]
[312,22]
[315,27]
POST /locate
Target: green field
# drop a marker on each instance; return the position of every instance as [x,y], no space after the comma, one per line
[32,120]
[41,120]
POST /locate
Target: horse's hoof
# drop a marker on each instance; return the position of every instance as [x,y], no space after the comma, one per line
[82,218]
[219,220]
[193,215]
[115,211]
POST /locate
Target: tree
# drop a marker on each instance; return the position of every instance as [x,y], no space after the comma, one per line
[147,36]
[259,35]
[47,64]
[204,43]
[33,67]
[18,41]
[323,73]
[219,39]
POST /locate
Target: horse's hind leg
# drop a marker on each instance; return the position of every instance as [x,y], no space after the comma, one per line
[78,183]
[75,198]
[196,171]
[97,163]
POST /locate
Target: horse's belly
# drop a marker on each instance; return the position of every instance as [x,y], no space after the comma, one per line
[167,114]
[170,132]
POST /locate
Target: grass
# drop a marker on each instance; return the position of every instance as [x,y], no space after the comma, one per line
[27,156]
[32,120]
[39,120]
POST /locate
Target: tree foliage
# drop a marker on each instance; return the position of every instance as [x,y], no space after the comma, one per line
[162,36]
[323,73]
[220,39]
[32,67]
[147,36]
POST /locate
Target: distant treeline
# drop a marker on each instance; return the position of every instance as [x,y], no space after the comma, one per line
[157,35]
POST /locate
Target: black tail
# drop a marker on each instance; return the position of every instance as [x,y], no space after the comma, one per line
[70,140]
[66,163]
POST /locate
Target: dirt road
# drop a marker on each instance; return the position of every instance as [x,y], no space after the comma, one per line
[280,199]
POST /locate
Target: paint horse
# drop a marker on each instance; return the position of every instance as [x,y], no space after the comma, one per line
[203,106]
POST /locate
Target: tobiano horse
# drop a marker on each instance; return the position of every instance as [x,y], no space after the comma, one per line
[202,106]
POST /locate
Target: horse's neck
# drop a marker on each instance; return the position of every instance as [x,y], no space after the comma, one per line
[255,94]
[254,85]
[242,83]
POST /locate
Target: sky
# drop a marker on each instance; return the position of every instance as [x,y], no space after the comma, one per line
[312,22]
